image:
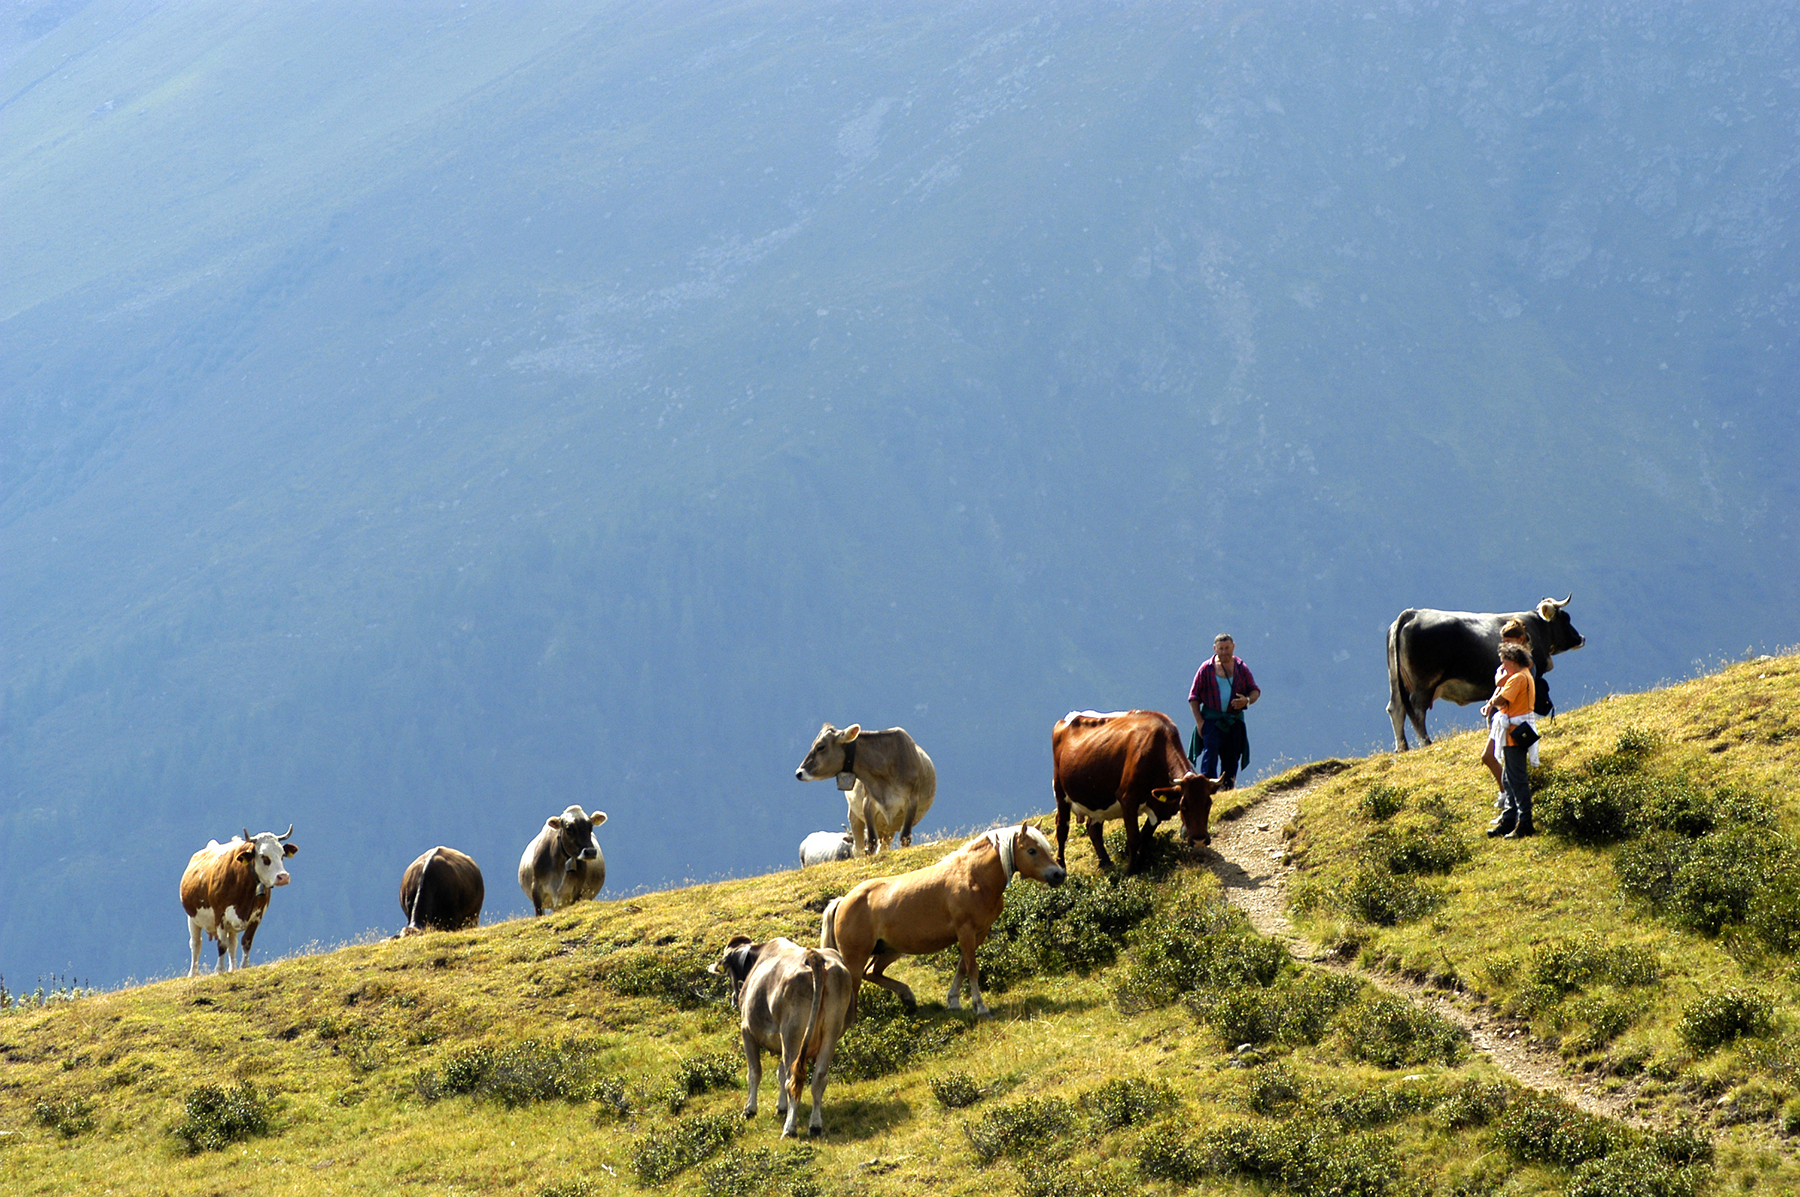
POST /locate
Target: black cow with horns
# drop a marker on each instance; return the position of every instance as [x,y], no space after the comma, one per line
[1452,654]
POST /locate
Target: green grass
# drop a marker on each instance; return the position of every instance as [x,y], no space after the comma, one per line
[546,1056]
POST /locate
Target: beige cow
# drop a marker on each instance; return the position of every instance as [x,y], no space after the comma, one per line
[895,781]
[794,1001]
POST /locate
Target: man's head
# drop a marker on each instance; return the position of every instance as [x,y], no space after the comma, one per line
[1224,646]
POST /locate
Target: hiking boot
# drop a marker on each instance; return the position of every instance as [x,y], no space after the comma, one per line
[1501,826]
[1521,831]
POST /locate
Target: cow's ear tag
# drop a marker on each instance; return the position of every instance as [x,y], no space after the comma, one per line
[846,781]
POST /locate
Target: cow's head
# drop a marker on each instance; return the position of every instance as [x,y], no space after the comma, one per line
[575,834]
[826,756]
[1194,793]
[736,963]
[266,853]
[1558,634]
[1033,856]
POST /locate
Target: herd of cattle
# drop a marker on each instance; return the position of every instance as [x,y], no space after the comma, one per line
[796,1001]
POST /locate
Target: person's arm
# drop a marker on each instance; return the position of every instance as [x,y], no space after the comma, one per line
[1194,706]
[1251,693]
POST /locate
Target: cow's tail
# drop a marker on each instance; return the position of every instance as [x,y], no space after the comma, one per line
[809,1049]
[1399,697]
[828,932]
[412,916]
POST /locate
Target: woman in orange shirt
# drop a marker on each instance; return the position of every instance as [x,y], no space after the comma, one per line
[1515,698]
[1513,633]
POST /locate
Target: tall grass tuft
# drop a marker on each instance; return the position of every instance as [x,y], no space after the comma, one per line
[214,1118]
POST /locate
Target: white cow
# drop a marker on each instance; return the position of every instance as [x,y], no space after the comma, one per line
[823,847]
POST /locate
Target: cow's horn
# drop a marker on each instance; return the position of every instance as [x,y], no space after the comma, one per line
[246,835]
[288,835]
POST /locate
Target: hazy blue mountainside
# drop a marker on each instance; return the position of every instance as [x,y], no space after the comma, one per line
[416,418]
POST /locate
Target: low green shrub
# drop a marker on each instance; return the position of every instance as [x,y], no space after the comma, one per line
[761,1172]
[1034,1127]
[1171,1151]
[1375,1106]
[1073,928]
[1198,942]
[1306,1156]
[579,1186]
[676,976]
[1126,1101]
[1381,802]
[1600,1019]
[1391,1032]
[1473,1103]
[1592,805]
[214,1118]
[1717,882]
[1416,850]
[67,1118]
[1571,964]
[955,1090]
[664,1154]
[1276,1089]
[1681,1146]
[699,1074]
[1039,1181]
[524,1073]
[1635,1172]
[886,1039]
[1376,895]
[1775,915]
[1714,1019]
[1541,1128]
[1647,867]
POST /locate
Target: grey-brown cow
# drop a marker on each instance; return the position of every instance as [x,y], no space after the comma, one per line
[895,781]
[791,1000]
[563,864]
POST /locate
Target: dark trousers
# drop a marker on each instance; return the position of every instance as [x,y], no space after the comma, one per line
[1221,748]
[1518,788]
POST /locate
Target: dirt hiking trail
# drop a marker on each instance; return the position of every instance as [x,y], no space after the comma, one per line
[1250,865]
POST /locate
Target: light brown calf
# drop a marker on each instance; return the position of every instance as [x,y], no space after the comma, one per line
[954,901]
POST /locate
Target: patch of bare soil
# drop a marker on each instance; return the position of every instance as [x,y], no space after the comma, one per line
[1250,862]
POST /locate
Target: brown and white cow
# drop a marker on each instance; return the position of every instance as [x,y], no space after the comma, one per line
[225,889]
[563,864]
[894,787]
[441,891]
[954,901]
[1111,766]
[791,1000]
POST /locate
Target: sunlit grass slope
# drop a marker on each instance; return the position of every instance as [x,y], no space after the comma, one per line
[1647,933]
[588,1052]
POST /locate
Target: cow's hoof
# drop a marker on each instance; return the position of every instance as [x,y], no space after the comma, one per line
[815,1132]
[984,1014]
[749,1113]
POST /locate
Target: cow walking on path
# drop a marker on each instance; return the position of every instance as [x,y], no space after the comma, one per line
[894,787]
[1111,766]
[225,890]
[796,1002]
[954,901]
[1451,654]
[441,891]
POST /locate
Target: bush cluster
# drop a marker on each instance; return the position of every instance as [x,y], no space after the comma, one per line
[664,1154]
[1297,1009]
[1126,1101]
[1073,928]
[524,1073]
[1391,1032]
[67,1118]
[678,977]
[1541,1128]
[214,1118]
[1582,962]
[1387,899]
[1086,1182]
[1715,1019]
[885,1038]
[956,1090]
[761,1172]
[1306,1156]
[1034,1127]
[1381,802]
[701,1074]
[1195,943]
[1637,1172]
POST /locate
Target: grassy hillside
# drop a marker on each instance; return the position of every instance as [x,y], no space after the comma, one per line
[589,1053]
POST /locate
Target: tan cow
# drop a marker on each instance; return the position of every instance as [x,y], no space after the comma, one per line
[791,1000]
[225,889]
[894,787]
[954,901]
[563,863]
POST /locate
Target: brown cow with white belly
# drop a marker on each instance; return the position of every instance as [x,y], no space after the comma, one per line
[441,891]
[225,890]
[1111,766]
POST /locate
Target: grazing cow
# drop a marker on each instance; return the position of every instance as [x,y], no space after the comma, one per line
[1451,655]
[791,1000]
[823,847]
[1111,766]
[954,901]
[225,889]
[895,781]
[441,891]
[563,864]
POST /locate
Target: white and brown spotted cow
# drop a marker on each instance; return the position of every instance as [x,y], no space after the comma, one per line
[225,890]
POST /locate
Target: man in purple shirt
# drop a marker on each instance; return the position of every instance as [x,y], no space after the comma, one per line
[1222,691]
